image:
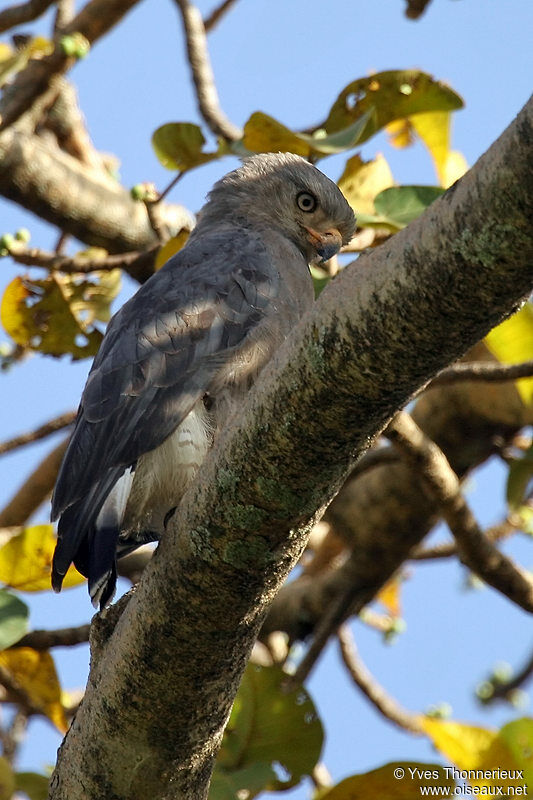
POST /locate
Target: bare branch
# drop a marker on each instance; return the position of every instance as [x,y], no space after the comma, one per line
[80,201]
[202,73]
[24,12]
[14,736]
[93,21]
[502,690]
[54,425]
[475,549]
[362,677]
[483,371]
[448,549]
[34,257]
[415,8]
[62,637]
[216,15]
[34,490]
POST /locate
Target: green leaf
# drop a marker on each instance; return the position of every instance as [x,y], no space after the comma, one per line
[323,145]
[179,146]
[520,475]
[264,134]
[392,95]
[35,786]
[13,619]
[268,728]
[512,343]
[402,204]
[320,279]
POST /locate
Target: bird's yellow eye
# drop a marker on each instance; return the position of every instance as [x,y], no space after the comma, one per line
[306,201]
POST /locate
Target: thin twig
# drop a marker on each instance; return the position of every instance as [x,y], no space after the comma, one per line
[22,13]
[62,637]
[475,549]
[380,699]
[501,690]
[448,549]
[54,425]
[33,257]
[216,15]
[202,74]
[415,8]
[14,736]
[483,371]
[338,610]
[34,490]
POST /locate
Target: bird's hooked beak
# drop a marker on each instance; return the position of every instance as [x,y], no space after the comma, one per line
[326,243]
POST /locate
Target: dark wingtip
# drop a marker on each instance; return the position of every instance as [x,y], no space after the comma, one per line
[57,581]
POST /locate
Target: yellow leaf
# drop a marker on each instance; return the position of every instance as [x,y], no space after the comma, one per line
[7,779]
[400,133]
[362,180]
[512,342]
[26,560]
[264,134]
[56,315]
[178,145]
[433,128]
[393,95]
[12,61]
[34,672]
[401,780]
[170,248]
[389,596]
[480,749]
[454,168]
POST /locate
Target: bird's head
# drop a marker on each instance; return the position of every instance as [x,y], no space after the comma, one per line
[286,192]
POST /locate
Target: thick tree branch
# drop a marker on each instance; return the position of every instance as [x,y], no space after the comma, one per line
[80,201]
[202,73]
[382,514]
[372,339]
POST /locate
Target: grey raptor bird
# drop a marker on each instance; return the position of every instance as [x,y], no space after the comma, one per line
[178,358]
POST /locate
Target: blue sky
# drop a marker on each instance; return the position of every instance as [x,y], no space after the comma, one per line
[290,59]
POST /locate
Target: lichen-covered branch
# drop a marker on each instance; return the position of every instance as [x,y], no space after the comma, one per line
[372,339]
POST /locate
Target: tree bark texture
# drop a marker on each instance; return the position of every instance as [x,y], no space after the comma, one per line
[164,676]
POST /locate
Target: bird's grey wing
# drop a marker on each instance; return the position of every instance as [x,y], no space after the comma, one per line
[158,357]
